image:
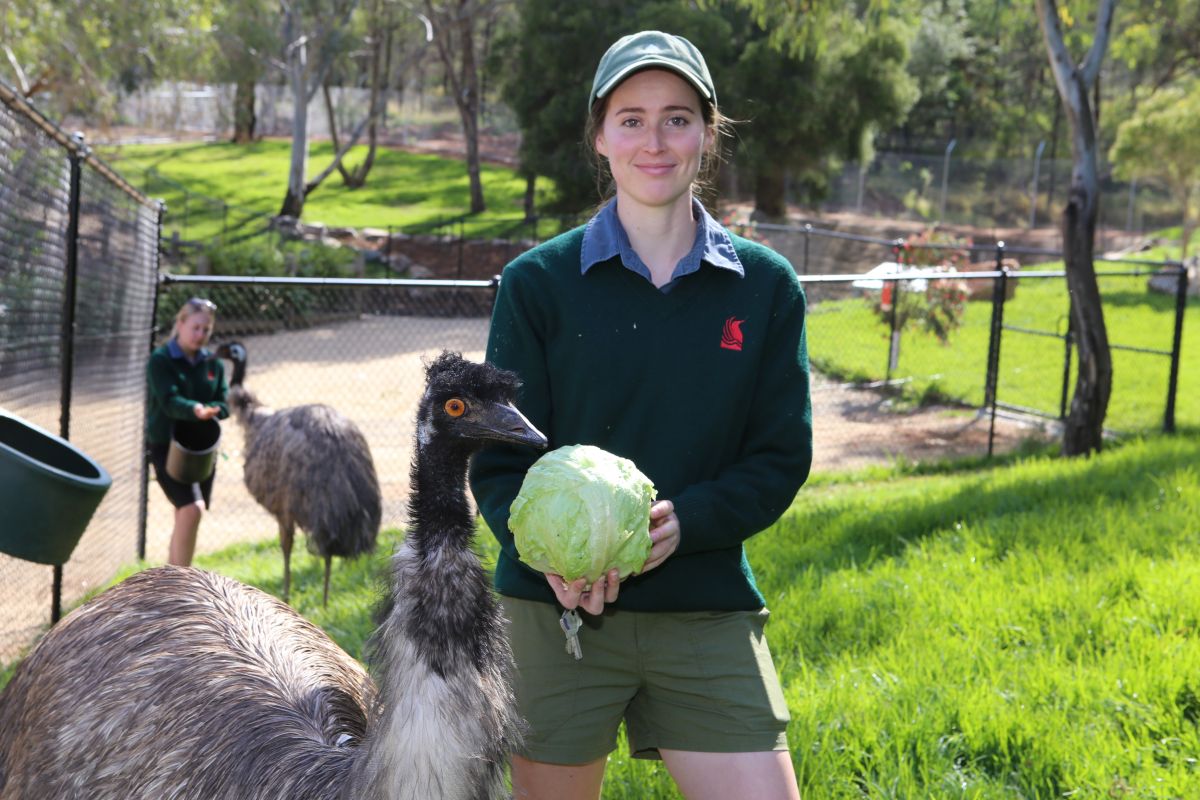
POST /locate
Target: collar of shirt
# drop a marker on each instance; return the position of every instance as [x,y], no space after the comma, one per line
[177,352]
[605,238]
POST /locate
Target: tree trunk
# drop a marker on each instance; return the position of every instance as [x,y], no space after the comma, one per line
[454,35]
[769,200]
[1084,430]
[469,108]
[1093,382]
[293,201]
[244,119]
[530,194]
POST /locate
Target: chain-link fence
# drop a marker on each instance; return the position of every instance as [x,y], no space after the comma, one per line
[77,280]
[359,346]
[1010,193]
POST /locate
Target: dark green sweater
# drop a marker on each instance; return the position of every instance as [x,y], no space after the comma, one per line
[175,388]
[705,388]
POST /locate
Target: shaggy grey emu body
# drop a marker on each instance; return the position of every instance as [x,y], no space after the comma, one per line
[311,468]
[182,684]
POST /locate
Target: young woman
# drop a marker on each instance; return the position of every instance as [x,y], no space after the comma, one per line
[186,384]
[656,334]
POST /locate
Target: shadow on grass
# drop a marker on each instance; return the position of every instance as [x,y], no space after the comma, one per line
[832,543]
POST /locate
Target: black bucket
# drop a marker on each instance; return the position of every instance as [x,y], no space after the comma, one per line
[49,490]
[193,452]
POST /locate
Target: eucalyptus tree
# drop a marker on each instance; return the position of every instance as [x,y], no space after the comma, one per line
[815,95]
[457,27]
[76,54]
[1084,428]
[246,41]
[312,34]
[385,33]
[1162,140]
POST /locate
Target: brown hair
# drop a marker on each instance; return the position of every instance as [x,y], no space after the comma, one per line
[717,124]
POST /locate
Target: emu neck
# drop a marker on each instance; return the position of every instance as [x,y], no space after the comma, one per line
[439,514]
[446,721]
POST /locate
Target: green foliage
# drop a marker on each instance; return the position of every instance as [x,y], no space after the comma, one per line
[836,95]
[73,56]
[546,67]
[1160,141]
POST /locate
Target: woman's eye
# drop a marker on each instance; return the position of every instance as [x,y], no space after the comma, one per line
[630,122]
[678,122]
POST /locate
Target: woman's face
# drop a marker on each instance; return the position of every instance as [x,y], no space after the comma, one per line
[193,331]
[653,137]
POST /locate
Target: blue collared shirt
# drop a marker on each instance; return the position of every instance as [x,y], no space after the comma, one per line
[177,352]
[605,238]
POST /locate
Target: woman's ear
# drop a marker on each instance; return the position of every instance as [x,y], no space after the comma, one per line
[600,145]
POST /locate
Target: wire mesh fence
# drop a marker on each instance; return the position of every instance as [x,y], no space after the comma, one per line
[358,346]
[77,281]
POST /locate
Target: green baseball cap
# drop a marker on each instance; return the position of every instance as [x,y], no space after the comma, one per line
[652,49]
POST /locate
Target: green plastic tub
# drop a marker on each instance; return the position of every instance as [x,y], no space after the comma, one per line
[49,490]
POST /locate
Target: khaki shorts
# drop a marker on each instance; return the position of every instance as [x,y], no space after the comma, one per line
[694,681]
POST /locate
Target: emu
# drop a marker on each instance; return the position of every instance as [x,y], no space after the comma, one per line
[178,683]
[310,468]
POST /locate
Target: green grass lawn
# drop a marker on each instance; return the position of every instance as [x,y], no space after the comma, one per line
[847,340]
[403,189]
[1030,630]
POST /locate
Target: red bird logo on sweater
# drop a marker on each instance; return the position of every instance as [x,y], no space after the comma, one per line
[731,334]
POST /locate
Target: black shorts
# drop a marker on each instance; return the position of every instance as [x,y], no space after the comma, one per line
[180,494]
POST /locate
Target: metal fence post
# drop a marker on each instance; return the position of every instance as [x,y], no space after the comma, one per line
[1181,290]
[144,469]
[76,156]
[807,236]
[992,381]
[894,337]
[1069,346]
[1033,186]
[945,176]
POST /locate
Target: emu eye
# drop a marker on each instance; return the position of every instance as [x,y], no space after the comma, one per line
[455,407]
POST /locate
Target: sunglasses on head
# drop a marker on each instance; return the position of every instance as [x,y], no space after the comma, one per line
[200,302]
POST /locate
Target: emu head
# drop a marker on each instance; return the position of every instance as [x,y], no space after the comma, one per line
[235,352]
[469,404]
[242,401]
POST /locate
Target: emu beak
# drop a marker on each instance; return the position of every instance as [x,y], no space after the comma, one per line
[502,422]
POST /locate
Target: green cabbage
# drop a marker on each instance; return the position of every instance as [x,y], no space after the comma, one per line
[582,511]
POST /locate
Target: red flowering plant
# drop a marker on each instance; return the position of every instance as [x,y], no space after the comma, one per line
[939,308]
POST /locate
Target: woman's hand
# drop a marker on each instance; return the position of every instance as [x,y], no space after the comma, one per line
[205,412]
[586,598]
[664,536]
[664,533]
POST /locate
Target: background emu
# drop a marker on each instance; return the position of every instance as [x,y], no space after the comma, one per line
[311,468]
[184,684]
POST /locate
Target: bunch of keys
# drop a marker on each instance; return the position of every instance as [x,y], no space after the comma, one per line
[571,623]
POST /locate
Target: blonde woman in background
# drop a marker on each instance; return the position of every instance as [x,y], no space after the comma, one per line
[186,385]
